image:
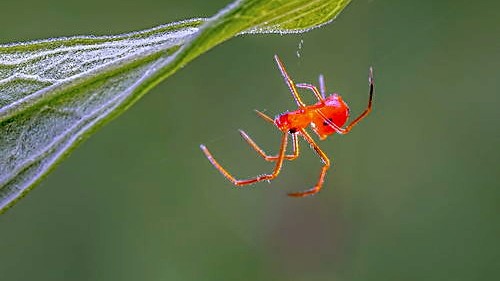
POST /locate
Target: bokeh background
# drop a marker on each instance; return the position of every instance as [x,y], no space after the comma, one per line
[413,194]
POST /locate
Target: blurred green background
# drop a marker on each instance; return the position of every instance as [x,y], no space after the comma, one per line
[413,194]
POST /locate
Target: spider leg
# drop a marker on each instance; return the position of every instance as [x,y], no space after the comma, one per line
[274,174]
[324,169]
[371,86]
[295,143]
[368,109]
[322,87]
[264,116]
[289,82]
[313,89]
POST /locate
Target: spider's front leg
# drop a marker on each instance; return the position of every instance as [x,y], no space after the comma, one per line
[293,156]
[237,182]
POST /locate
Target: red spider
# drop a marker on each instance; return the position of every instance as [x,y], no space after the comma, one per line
[326,117]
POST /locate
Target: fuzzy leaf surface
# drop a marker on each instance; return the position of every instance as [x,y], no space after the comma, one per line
[55,93]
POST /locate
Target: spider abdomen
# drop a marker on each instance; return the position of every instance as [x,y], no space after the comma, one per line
[336,111]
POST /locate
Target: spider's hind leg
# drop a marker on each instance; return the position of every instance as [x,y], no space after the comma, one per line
[314,89]
[324,169]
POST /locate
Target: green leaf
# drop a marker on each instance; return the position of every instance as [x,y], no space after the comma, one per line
[55,93]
